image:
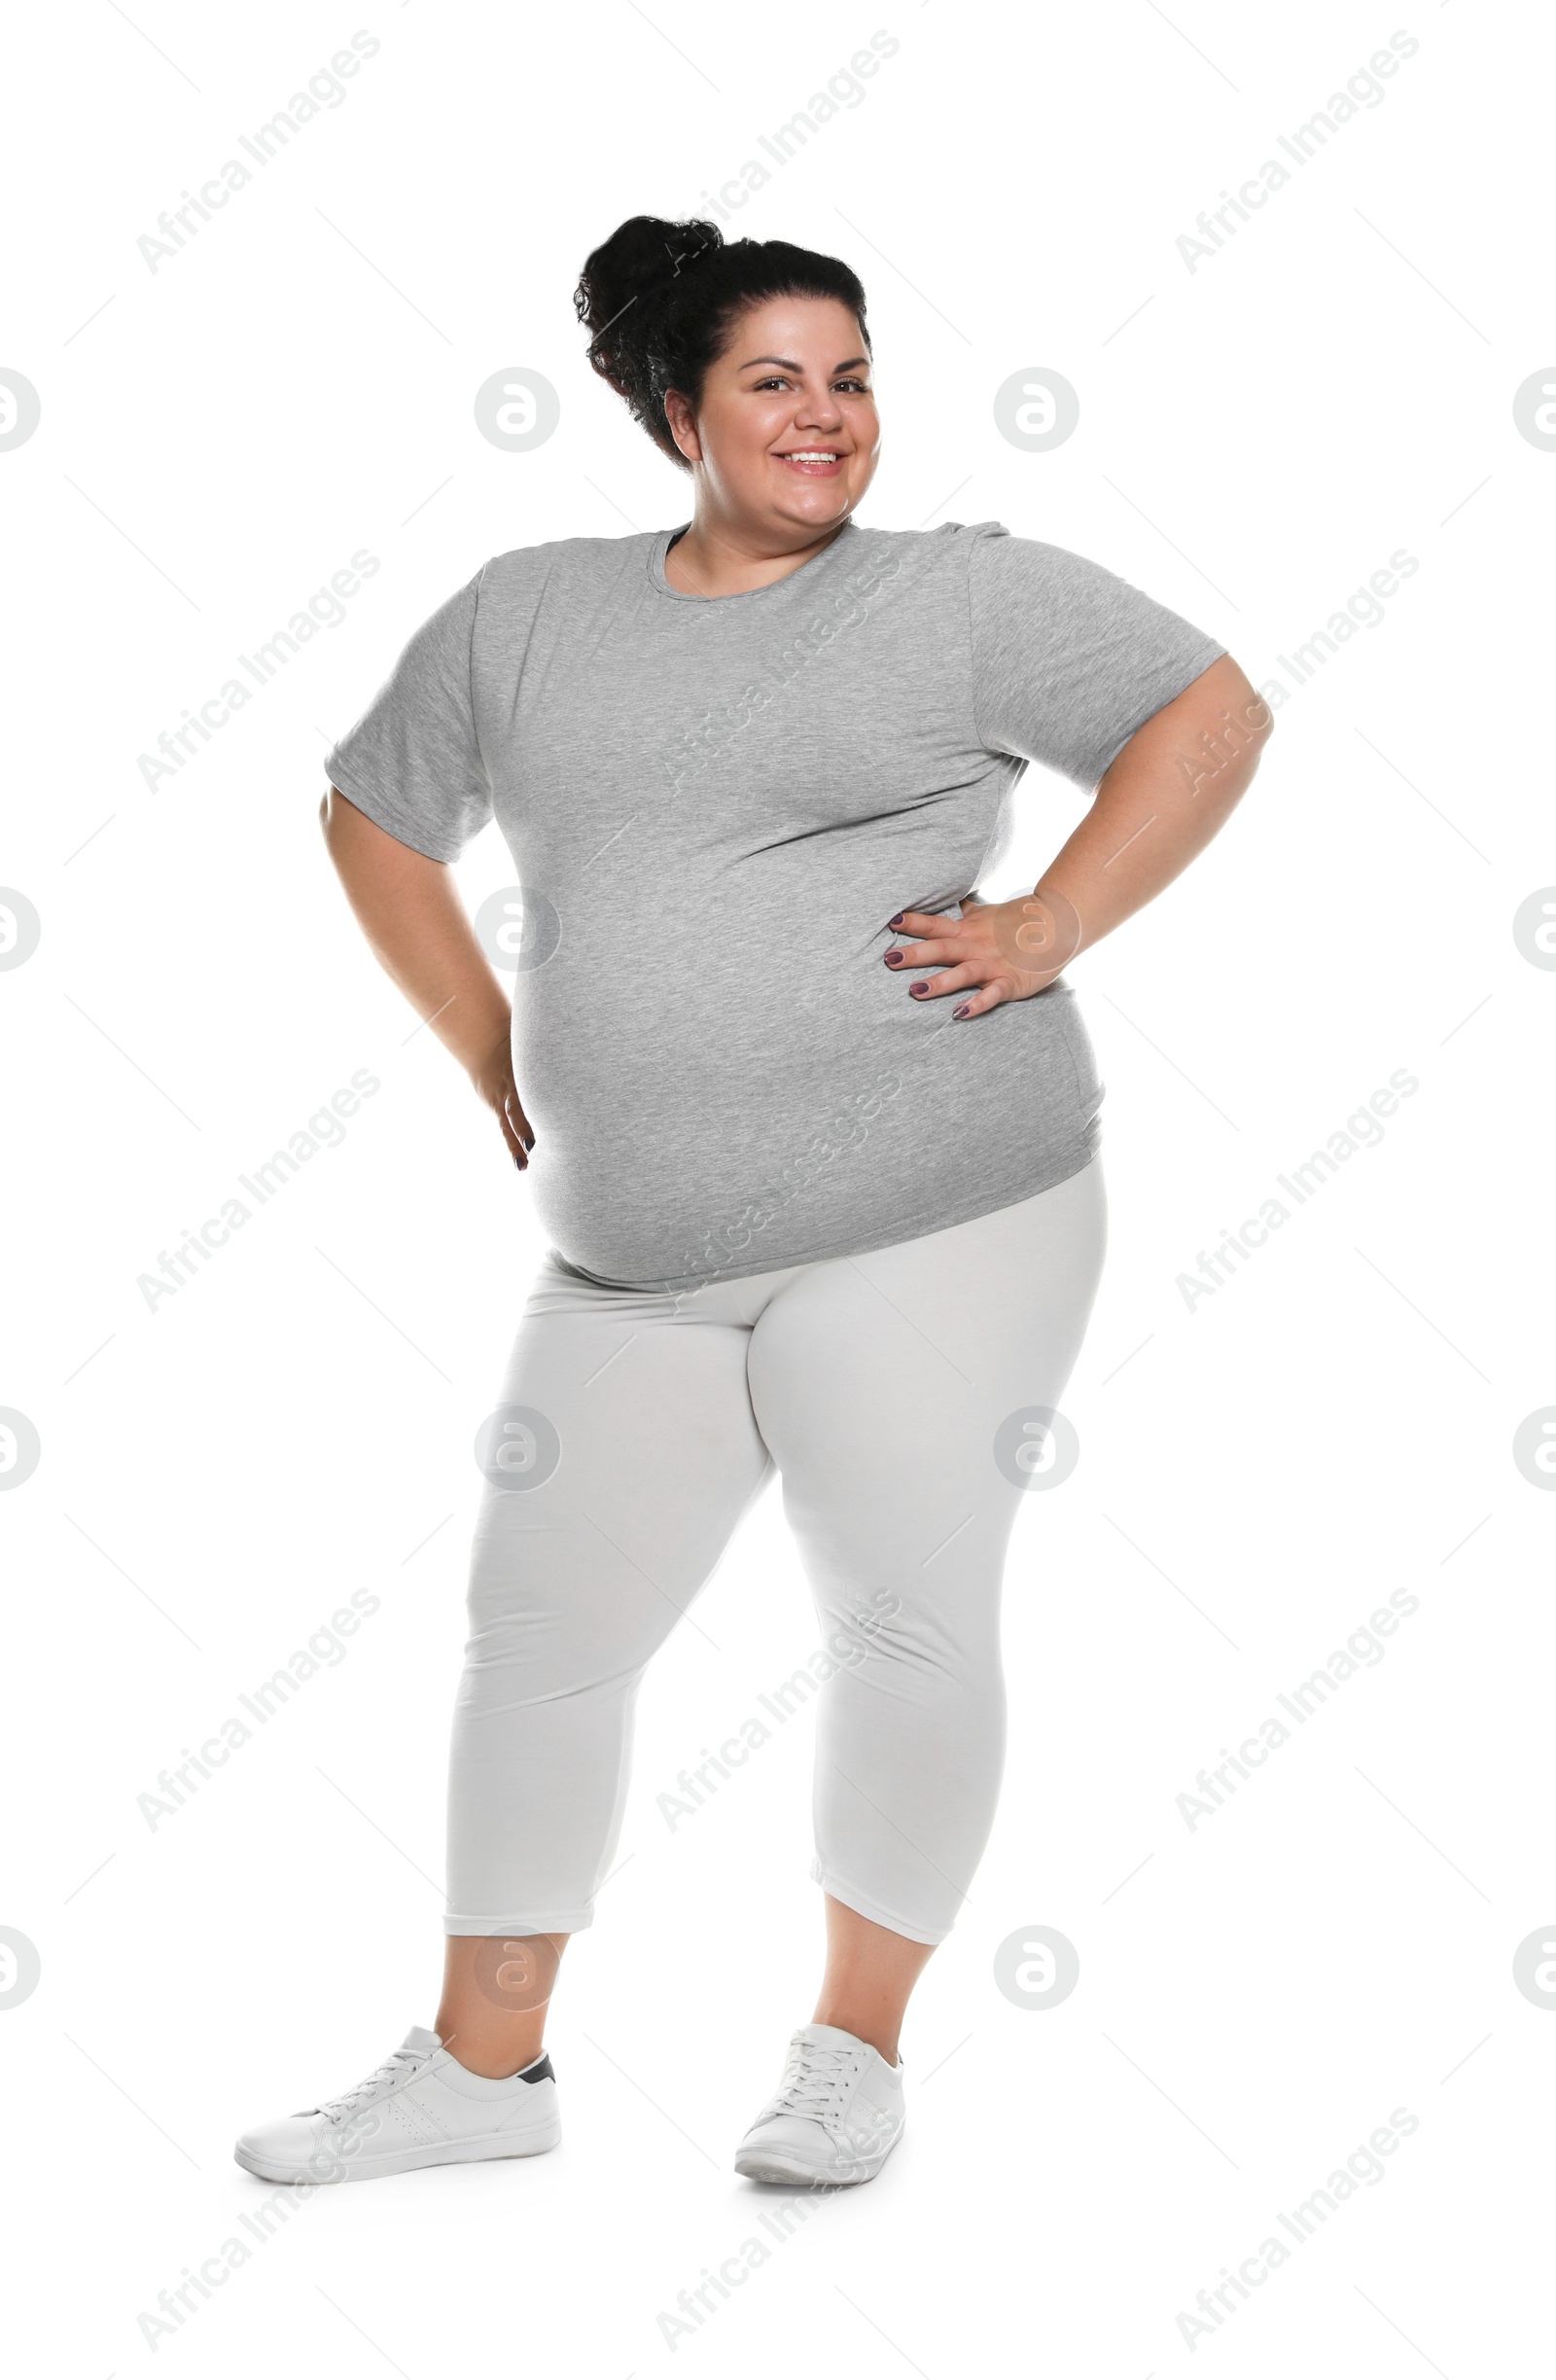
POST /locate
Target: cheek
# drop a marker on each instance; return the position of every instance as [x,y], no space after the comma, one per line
[738,437]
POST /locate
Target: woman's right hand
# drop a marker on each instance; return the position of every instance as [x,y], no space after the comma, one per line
[409,908]
[494,1081]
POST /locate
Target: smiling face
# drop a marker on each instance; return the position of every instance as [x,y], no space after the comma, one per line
[785,440]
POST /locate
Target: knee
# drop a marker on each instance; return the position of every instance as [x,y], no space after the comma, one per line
[916,1651]
[854,1625]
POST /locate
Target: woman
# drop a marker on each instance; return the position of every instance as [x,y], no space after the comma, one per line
[812,1128]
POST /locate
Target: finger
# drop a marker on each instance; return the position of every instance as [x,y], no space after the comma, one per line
[920,954]
[954,980]
[919,921]
[516,1131]
[989,997]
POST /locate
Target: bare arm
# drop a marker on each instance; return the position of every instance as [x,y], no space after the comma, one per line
[418,932]
[1171,789]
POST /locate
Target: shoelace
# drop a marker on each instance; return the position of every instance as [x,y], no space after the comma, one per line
[816,2083]
[399,2063]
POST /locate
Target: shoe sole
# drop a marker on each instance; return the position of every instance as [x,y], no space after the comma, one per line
[402,2160]
[770,2165]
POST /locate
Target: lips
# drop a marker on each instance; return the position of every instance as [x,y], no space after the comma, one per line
[814,462]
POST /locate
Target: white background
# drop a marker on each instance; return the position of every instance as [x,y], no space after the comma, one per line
[1256,436]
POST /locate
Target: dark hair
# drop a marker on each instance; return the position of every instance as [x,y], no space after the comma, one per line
[662,299]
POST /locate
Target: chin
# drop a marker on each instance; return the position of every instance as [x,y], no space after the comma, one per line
[819,503]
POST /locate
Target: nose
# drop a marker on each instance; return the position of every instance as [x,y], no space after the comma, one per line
[820,412]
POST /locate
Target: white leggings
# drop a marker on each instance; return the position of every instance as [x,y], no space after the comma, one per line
[895,1393]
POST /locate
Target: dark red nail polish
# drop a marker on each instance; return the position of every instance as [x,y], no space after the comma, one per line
[894,958]
[962,1011]
[897,920]
[916,991]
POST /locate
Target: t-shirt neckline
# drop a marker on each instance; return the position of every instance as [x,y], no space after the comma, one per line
[661,547]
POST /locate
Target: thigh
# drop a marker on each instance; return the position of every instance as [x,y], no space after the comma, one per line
[633,1453]
[890,1388]
[882,1384]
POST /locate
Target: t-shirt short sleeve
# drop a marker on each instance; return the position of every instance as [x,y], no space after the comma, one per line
[1068,660]
[412,762]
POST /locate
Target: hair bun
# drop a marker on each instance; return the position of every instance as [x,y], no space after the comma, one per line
[642,255]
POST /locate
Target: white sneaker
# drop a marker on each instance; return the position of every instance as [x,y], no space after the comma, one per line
[420,2108]
[836,2117]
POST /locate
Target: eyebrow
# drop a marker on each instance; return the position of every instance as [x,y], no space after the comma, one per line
[790,364]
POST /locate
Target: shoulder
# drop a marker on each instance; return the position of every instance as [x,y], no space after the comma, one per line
[572,560]
[1004,570]
[991,546]
[983,549]
[947,540]
[983,570]
[933,564]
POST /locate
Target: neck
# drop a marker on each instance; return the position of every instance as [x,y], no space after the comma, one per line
[715,557]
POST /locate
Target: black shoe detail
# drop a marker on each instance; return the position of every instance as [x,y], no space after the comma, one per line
[541,2071]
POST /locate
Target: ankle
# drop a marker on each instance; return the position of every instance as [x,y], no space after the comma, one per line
[492,2069]
[493,2061]
[496,1993]
[882,2038]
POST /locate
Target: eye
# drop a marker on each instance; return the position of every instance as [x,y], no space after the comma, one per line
[857,388]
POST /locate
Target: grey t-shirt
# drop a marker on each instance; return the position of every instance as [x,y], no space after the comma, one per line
[712,806]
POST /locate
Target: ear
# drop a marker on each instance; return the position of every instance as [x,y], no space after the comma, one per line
[682,425]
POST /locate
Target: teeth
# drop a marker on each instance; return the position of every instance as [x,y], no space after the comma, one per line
[811,457]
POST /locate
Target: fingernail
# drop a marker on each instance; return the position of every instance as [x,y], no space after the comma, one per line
[962,1011]
[916,991]
[897,920]
[894,958]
